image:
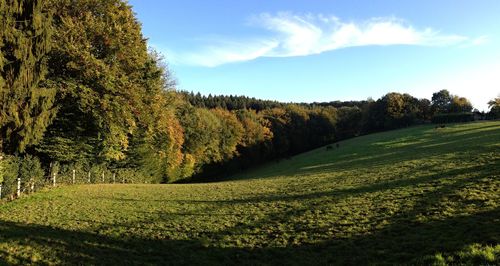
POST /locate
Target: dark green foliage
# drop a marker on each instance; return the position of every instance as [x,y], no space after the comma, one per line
[9,167]
[130,176]
[494,108]
[444,102]
[453,118]
[26,100]
[425,108]
[441,101]
[31,172]
[71,137]
[229,102]
[349,121]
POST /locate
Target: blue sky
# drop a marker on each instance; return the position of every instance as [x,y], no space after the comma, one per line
[318,50]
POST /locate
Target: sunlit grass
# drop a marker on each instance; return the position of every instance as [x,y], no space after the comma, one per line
[417,195]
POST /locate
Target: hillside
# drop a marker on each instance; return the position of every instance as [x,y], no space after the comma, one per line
[416,195]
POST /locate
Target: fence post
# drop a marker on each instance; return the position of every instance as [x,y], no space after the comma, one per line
[0,191]
[114,177]
[18,187]
[103,176]
[89,177]
[54,179]
[74,173]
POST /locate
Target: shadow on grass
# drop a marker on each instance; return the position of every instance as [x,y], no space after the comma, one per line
[431,143]
[474,143]
[474,173]
[403,240]
[398,243]
[57,246]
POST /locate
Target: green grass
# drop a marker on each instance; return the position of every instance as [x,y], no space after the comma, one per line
[412,196]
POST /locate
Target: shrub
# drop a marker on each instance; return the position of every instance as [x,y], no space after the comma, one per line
[452,118]
[9,174]
[129,175]
[31,172]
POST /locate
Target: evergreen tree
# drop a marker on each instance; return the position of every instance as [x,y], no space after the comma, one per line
[26,100]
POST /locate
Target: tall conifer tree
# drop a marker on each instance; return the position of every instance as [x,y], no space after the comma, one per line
[26,104]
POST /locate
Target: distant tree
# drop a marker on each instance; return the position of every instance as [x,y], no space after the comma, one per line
[230,133]
[158,150]
[424,110]
[349,121]
[411,110]
[495,107]
[441,101]
[388,111]
[280,120]
[201,136]
[298,133]
[256,129]
[460,105]
[394,104]
[322,125]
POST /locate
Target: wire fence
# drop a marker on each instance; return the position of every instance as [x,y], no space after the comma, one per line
[14,186]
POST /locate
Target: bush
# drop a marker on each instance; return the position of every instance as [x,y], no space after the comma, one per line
[129,175]
[452,118]
[31,173]
[9,168]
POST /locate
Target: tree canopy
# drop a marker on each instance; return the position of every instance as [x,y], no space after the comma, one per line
[79,87]
[26,98]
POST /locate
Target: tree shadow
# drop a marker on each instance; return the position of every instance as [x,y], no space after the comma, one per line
[404,239]
[65,247]
[431,144]
[401,242]
[476,172]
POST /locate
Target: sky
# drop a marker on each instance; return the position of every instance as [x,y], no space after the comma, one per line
[327,50]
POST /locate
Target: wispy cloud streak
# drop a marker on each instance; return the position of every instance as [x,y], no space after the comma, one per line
[291,35]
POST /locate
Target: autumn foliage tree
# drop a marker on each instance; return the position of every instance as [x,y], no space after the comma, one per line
[79,87]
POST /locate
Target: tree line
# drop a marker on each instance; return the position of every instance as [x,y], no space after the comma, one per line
[79,89]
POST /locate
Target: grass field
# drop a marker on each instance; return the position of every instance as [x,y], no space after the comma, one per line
[412,196]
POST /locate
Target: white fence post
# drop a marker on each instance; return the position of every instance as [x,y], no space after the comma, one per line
[18,187]
[114,177]
[74,174]
[103,176]
[89,177]
[54,179]
[0,191]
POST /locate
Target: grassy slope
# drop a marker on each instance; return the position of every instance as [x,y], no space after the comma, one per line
[416,195]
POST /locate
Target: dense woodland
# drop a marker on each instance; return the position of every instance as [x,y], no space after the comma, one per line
[80,90]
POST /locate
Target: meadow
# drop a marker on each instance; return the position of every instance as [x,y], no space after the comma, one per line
[418,195]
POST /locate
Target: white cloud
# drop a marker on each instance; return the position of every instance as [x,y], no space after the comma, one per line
[228,52]
[301,35]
